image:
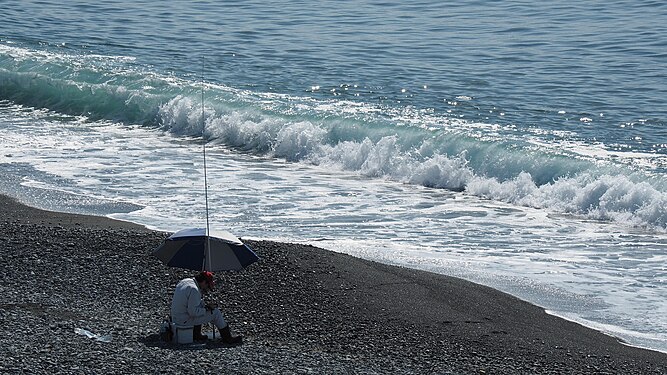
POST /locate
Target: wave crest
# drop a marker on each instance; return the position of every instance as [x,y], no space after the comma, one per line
[605,197]
[428,151]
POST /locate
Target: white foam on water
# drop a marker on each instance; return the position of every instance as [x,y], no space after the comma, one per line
[588,269]
[540,169]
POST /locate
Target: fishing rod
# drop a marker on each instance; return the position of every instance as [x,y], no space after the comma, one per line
[207,255]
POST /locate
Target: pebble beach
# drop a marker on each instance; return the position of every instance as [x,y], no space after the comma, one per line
[300,309]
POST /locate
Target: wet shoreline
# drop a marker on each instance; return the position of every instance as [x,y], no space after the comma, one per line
[301,309]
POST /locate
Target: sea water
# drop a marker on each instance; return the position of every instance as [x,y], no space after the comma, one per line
[520,145]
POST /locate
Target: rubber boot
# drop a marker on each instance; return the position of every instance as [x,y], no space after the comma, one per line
[196,334]
[227,337]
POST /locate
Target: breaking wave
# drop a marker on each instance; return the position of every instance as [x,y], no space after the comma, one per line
[407,145]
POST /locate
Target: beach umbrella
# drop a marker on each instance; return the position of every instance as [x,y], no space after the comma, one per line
[194,249]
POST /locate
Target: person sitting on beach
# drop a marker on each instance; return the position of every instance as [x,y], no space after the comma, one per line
[187,308]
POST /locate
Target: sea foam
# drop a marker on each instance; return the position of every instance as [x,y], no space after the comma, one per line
[404,145]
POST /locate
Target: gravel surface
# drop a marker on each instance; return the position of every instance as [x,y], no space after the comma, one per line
[300,309]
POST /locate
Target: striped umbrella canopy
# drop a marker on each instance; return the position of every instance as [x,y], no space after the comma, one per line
[193,249]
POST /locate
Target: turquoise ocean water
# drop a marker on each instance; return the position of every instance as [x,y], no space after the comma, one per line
[522,145]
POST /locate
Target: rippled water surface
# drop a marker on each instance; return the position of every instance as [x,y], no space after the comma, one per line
[520,145]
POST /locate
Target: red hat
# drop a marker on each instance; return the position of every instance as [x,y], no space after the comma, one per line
[208,277]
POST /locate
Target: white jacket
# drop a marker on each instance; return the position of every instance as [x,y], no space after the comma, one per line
[187,307]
